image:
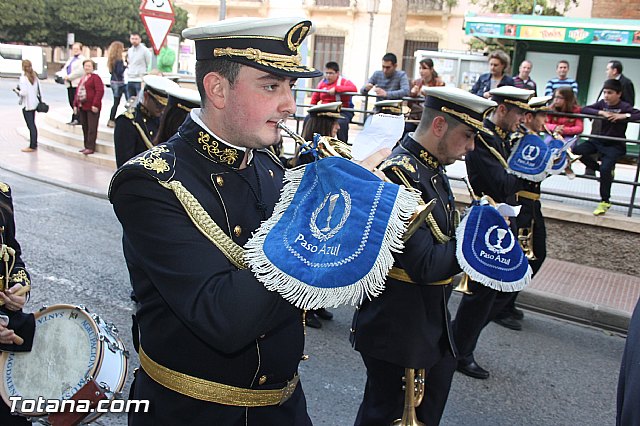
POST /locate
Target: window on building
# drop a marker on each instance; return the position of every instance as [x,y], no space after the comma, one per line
[325,49]
[334,3]
[408,60]
[425,5]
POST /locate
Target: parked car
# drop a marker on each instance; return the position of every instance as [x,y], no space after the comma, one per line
[102,70]
[11,56]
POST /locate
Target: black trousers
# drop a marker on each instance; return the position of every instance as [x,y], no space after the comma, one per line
[7,419]
[531,210]
[30,119]
[343,131]
[71,95]
[383,400]
[474,313]
[610,153]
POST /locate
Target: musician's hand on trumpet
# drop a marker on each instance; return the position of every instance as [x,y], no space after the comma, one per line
[371,162]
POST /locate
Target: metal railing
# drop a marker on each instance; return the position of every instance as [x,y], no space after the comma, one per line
[631,205]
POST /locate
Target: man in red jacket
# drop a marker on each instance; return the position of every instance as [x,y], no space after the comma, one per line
[335,84]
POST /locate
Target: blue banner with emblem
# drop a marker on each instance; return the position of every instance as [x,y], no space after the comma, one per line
[331,236]
[488,251]
[530,158]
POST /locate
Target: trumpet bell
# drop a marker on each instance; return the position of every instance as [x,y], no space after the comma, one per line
[463,285]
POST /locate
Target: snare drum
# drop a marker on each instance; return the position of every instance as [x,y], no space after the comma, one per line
[71,347]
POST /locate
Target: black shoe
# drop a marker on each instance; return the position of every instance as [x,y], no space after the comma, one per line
[74,122]
[589,172]
[312,320]
[472,369]
[516,313]
[509,322]
[323,314]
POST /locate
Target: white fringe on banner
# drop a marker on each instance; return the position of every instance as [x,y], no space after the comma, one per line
[504,286]
[533,178]
[305,296]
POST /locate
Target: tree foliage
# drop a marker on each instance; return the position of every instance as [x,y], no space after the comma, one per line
[525,7]
[94,23]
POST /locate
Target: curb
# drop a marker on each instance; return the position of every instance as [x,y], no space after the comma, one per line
[575,310]
[70,186]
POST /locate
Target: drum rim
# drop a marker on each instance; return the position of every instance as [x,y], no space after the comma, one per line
[46,309]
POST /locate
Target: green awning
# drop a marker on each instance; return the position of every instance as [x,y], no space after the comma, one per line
[559,29]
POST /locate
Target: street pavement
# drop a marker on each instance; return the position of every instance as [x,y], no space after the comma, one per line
[553,372]
[536,379]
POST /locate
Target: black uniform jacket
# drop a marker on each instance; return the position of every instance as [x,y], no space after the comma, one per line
[22,324]
[408,324]
[127,137]
[487,175]
[198,314]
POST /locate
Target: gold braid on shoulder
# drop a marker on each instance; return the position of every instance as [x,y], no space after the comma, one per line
[440,236]
[205,224]
[495,153]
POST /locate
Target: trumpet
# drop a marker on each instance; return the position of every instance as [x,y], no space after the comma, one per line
[413,394]
[463,284]
[326,146]
[525,238]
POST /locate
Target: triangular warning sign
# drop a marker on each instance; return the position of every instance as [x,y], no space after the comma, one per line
[157,29]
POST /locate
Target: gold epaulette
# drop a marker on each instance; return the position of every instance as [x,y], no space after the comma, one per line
[4,188]
[404,163]
[129,115]
[159,162]
[440,236]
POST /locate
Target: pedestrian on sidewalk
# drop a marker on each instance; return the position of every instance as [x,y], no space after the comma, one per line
[138,63]
[87,105]
[116,66]
[28,90]
[71,73]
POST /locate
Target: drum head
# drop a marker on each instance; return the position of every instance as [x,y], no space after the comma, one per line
[66,350]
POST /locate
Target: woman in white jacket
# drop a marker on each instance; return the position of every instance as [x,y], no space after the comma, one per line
[28,92]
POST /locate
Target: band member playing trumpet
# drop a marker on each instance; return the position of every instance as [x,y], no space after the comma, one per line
[486,168]
[408,326]
[532,232]
[16,327]
[216,347]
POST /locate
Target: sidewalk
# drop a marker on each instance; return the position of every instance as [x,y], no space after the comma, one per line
[587,295]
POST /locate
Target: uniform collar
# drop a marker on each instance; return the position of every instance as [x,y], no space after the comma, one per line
[500,132]
[211,146]
[418,151]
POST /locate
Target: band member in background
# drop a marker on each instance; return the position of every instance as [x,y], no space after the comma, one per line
[135,131]
[408,326]
[215,344]
[486,168]
[13,282]
[531,226]
[180,102]
[335,84]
